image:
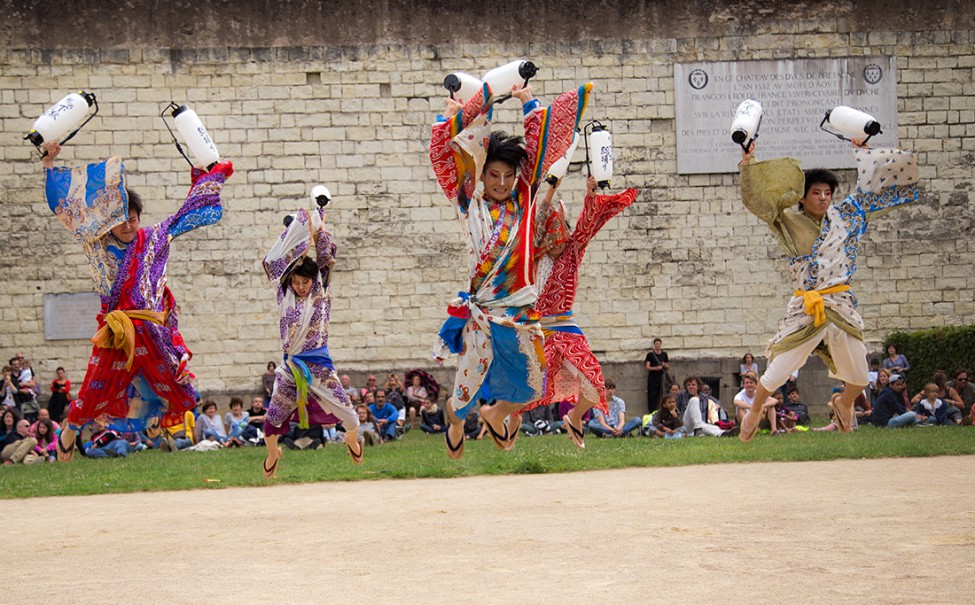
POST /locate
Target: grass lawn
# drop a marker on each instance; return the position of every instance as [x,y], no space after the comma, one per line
[419,455]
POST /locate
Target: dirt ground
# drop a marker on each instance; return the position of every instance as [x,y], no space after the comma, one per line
[849,531]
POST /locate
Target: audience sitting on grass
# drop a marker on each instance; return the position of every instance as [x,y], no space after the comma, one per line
[702,414]
[311,438]
[236,420]
[355,395]
[889,409]
[105,442]
[8,422]
[959,381]
[368,434]
[883,379]
[18,446]
[474,429]
[385,416]
[666,422]
[797,407]
[210,427]
[744,399]
[613,423]
[540,421]
[935,410]
[432,419]
[253,433]
[46,436]
[945,393]
[785,418]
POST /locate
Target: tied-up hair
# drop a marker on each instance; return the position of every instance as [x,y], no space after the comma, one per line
[506,149]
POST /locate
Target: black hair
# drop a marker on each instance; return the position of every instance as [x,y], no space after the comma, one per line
[792,390]
[507,149]
[820,175]
[135,202]
[306,268]
[609,384]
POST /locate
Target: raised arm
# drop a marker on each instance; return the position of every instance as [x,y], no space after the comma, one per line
[202,205]
[457,146]
[769,187]
[597,210]
[293,243]
[549,130]
[325,247]
[89,200]
[886,178]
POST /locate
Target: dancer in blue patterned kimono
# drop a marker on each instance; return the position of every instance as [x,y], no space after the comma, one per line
[822,241]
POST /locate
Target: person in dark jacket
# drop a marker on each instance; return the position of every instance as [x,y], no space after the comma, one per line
[889,409]
[932,410]
[797,407]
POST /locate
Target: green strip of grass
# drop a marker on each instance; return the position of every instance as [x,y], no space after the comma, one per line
[419,455]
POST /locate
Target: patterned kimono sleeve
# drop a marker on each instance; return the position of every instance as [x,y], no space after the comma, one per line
[886,178]
[453,156]
[89,200]
[548,131]
[325,247]
[202,206]
[596,212]
[769,187]
[290,247]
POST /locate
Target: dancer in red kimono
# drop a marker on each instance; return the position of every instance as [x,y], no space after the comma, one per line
[138,340]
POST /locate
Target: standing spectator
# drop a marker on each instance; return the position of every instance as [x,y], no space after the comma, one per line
[25,396]
[7,394]
[895,362]
[747,365]
[657,364]
[964,389]
[267,381]
[351,391]
[60,396]
[889,410]
[385,416]
[236,420]
[18,445]
[800,409]
[613,423]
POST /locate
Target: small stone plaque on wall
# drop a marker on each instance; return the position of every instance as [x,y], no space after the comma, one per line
[795,95]
[71,316]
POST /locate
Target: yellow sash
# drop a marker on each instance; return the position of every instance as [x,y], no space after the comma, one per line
[813,301]
[118,332]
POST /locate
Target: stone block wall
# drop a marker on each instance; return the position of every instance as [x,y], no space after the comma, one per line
[293,109]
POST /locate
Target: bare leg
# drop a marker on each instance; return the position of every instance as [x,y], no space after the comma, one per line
[495,417]
[843,415]
[66,442]
[574,419]
[273,456]
[749,424]
[454,434]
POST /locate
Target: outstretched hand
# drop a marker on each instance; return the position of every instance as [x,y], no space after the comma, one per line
[747,155]
[522,92]
[53,149]
[453,106]
[859,143]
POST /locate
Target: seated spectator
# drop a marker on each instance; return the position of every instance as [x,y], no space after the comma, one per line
[180,436]
[836,397]
[945,393]
[747,365]
[253,433]
[385,416]
[784,418]
[354,394]
[965,390]
[883,379]
[105,442]
[267,381]
[394,392]
[369,398]
[310,438]
[564,407]
[790,383]
[744,399]
[8,422]
[18,445]
[895,362]
[872,374]
[933,410]
[236,420]
[614,423]
[702,414]
[540,421]
[46,437]
[889,410]
[43,414]
[797,407]
[667,423]
[416,396]
[209,426]
[432,420]
[370,387]
[474,429]
[367,426]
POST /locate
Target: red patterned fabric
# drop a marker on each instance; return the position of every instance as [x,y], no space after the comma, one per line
[558,296]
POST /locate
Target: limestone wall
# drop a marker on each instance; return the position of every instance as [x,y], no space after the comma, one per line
[314,93]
